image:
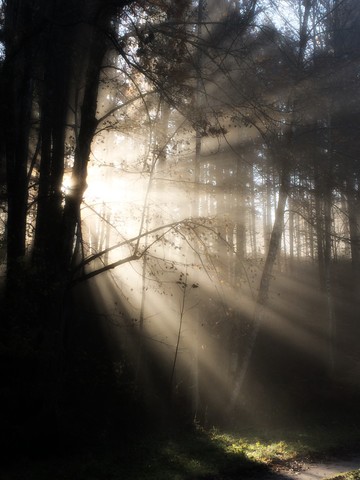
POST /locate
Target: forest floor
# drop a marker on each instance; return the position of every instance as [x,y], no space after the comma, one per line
[296,423]
[92,467]
[199,455]
[330,468]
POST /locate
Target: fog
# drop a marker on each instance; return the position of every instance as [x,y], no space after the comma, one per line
[179,231]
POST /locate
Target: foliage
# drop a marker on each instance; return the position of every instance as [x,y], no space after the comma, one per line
[354,475]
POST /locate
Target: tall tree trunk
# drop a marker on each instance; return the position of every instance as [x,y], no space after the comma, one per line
[198,145]
[298,237]
[71,217]
[319,213]
[331,318]
[16,101]
[353,204]
[328,183]
[291,233]
[241,178]
[253,226]
[54,106]
[268,208]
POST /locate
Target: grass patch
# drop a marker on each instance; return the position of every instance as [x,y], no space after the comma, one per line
[354,475]
[185,456]
[258,450]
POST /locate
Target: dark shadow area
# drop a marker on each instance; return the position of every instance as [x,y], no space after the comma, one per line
[96,415]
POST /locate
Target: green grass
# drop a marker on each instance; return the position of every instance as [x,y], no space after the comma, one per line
[185,456]
[354,475]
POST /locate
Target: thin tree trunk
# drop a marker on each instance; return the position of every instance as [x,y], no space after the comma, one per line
[253,215]
[298,237]
[353,201]
[319,224]
[268,222]
[184,286]
[240,214]
[346,223]
[331,318]
[291,234]
[196,203]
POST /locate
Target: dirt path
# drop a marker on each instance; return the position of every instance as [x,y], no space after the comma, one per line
[317,471]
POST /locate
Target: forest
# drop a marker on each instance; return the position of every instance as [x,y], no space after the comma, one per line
[179,231]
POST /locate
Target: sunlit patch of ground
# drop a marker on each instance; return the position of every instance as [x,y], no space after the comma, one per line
[354,475]
[182,456]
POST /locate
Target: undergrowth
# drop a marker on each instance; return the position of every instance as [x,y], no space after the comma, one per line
[354,475]
[183,456]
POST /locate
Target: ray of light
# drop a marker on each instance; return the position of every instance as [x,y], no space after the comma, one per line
[180,308]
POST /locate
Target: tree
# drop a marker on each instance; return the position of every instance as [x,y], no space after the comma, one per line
[225,105]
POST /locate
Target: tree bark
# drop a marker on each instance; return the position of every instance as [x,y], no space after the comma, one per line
[353,204]
[319,222]
[71,216]
[331,318]
[16,101]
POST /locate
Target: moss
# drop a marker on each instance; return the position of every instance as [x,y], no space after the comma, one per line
[354,475]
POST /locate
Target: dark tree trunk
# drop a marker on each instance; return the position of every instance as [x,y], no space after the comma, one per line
[241,179]
[319,222]
[54,109]
[331,319]
[253,225]
[16,91]
[353,204]
[291,234]
[71,218]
